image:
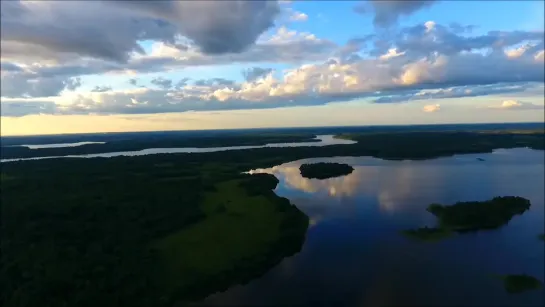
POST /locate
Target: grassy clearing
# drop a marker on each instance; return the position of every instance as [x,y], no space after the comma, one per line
[239,231]
[5,177]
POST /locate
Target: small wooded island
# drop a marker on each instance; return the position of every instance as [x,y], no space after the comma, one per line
[470,216]
[324,170]
[520,283]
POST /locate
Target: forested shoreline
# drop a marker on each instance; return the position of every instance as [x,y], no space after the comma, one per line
[99,231]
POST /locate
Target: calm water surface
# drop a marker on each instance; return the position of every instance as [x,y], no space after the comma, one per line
[355,256]
[323,140]
[60,145]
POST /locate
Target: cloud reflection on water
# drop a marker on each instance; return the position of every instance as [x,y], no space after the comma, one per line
[391,183]
[396,186]
[354,249]
[290,175]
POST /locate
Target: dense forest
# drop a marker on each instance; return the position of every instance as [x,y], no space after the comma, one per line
[385,145]
[479,215]
[137,233]
[384,142]
[520,283]
[153,230]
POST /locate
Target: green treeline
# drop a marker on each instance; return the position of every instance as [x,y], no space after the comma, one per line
[385,145]
[135,144]
[135,232]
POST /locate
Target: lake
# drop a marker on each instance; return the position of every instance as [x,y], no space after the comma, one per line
[59,145]
[354,254]
[322,140]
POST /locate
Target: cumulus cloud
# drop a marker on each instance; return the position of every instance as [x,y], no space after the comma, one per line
[431,38]
[431,108]
[457,91]
[298,16]
[516,105]
[413,63]
[387,12]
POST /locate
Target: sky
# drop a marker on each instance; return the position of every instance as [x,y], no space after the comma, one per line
[114,66]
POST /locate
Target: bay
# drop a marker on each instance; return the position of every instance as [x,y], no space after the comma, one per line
[354,254]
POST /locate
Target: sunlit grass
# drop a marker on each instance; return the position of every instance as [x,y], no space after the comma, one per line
[239,230]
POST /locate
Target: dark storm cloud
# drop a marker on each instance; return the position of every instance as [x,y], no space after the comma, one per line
[181,83]
[111,30]
[18,109]
[214,82]
[101,89]
[162,83]
[23,85]
[225,26]
[7,66]
[215,26]
[79,32]
[387,12]
[250,74]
